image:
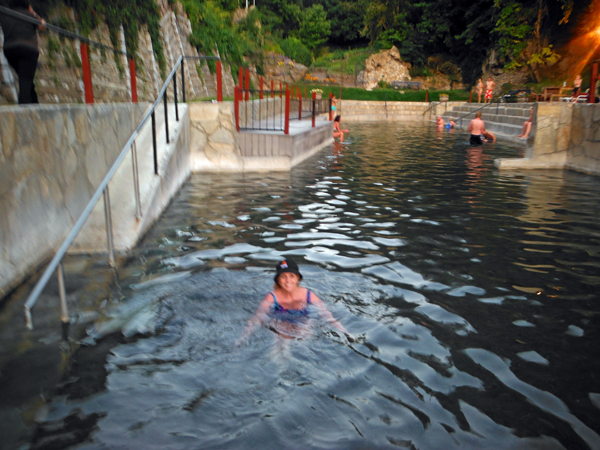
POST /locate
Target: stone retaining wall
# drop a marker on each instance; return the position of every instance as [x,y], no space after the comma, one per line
[584,141]
[52,158]
[367,111]
[567,136]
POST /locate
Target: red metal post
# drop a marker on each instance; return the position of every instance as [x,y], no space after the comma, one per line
[261,87]
[287,111]
[300,105]
[236,102]
[280,89]
[134,98]
[219,81]
[470,96]
[87,74]
[593,80]
[426,96]
[272,90]
[314,102]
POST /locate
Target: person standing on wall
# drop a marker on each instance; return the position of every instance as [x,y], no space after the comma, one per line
[490,85]
[21,48]
[576,86]
[479,90]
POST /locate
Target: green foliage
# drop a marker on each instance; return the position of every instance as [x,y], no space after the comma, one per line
[294,48]
[390,95]
[347,21]
[314,27]
[347,62]
[213,31]
[281,17]
[523,28]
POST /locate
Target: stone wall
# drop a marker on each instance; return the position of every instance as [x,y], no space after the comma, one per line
[386,66]
[583,152]
[367,111]
[566,136]
[52,158]
[214,144]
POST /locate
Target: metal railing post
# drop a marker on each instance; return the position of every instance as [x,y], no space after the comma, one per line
[132,75]
[108,222]
[64,312]
[183,80]
[299,107]
[236,96]
[219,81]
[175,97]
[136,181]
[154,147]
[314,108]
[87,74]
[261,87]
[287,111]
[165,100]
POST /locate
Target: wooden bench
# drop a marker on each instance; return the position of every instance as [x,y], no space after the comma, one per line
[562,93]
[406,84]
[548,93]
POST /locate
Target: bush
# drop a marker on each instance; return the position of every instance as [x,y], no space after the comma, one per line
[294,48]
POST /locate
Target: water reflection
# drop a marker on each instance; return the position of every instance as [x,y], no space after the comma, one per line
[472,292]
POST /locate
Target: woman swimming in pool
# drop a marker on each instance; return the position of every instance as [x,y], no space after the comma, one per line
[286,307]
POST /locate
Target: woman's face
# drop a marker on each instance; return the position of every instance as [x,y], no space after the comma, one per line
[288,281]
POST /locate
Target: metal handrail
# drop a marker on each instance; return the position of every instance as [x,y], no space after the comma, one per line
[56,262]
[431,106]
[497,101]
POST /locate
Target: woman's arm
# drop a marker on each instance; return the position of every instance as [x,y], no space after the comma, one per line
[260,317]
[42,26]
[326,314]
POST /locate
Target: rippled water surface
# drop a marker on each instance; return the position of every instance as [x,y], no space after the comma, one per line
[473,295]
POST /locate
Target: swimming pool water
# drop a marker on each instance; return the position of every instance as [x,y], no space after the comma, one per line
[473,295]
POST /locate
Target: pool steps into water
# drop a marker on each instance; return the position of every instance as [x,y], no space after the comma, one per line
[501,118]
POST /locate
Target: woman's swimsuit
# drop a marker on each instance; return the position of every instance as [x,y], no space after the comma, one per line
[297,312]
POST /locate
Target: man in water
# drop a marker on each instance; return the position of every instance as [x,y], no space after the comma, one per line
[476,127]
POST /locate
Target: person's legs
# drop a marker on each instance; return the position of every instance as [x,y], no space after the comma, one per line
[24,61]
[527,129]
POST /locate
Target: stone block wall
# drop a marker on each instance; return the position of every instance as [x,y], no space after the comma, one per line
[584,141]
[52,158]
[214,143]
[367,111]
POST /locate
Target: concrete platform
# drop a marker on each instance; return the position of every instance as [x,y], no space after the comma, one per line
[273,150]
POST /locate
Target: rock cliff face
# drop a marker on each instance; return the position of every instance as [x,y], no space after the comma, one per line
[386,66]
[59,74]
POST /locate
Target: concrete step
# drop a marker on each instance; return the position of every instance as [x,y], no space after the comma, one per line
[503,110]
